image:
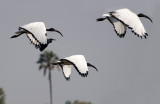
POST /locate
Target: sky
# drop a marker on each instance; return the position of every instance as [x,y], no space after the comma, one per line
[129,68]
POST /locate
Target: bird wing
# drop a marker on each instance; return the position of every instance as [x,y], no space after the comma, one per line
[30,37]
[131,20]
[37,30]
[80,64]
[67,71]
[119,27]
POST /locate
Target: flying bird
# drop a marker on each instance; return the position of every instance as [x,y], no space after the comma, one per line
[37,34]
[78,61]
[123,18]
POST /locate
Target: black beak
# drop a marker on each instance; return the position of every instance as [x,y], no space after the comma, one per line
[52,29]
[58,32]
[142,15]
[88,64]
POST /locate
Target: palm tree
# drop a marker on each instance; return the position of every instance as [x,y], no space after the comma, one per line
[2,96]
[45,59]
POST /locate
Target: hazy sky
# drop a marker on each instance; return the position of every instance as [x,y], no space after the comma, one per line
[129,68]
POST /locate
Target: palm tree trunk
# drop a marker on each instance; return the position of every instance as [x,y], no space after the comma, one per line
[50,85]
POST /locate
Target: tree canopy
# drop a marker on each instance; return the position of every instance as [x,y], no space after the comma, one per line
[2,96]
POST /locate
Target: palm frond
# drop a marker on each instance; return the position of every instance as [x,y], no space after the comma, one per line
[45,59]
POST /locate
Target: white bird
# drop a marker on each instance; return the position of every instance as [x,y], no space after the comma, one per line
[36,32]
[123,18]
[78,61]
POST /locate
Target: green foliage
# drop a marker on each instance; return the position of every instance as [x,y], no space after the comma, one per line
[45,59]
[77,102]
[2,96]
[68,102]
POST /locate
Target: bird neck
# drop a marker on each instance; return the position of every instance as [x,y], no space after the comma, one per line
[49,40]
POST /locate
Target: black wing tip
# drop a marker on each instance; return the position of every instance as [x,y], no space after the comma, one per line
[145,35]
[67,78]
[121,36]
[84,74]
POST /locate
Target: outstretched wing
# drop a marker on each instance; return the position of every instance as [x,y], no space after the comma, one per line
[131,20]
[67,71]
[119,27]
[37,30]
[80,64]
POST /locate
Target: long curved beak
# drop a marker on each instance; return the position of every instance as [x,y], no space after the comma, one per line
[88,64]
[148,18]
[58,32]
[142,15]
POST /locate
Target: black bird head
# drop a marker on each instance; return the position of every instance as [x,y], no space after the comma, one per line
[54,30]
[142,15]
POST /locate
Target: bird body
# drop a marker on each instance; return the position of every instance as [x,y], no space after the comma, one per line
[36,33]
[123,18]
[78,61]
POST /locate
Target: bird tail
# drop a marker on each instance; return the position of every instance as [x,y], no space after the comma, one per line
[18,33]
[101,19]
[14,36]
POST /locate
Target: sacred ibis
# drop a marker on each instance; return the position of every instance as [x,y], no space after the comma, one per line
[123,18]
[78,61]
[36,32]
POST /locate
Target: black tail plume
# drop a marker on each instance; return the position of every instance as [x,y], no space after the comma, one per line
[100,19]
[14,36]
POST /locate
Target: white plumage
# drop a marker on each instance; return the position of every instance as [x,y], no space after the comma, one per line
[36,32]
[78,61]
[123,18]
